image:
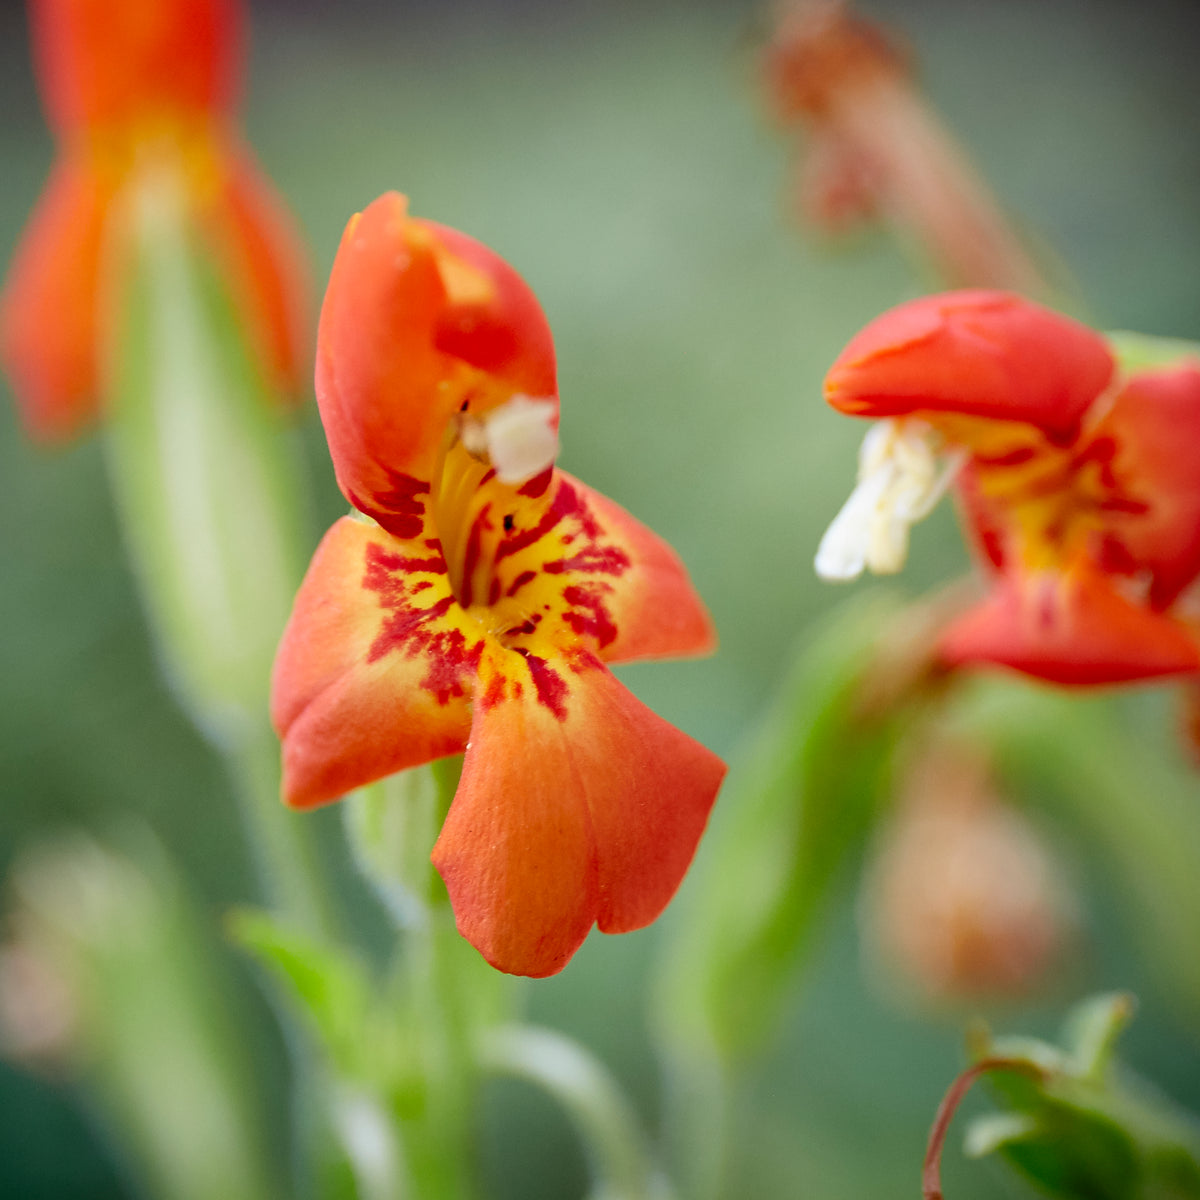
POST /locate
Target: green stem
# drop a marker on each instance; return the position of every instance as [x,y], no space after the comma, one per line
[621,1167]
[699,1092]
[289,860]
[439,1143]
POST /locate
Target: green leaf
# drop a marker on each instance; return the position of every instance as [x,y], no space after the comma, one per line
[329,990]
[1076,1124]
[797,809]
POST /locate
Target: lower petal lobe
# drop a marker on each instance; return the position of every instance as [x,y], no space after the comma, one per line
[574,570]
[577,805]
[1070,629]
[377,666]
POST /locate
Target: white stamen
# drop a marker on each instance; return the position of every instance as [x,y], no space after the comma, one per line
[899,483]
[518,438]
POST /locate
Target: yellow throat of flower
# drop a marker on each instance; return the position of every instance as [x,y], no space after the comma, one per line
[478,493]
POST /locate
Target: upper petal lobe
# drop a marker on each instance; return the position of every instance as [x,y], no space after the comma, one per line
[417,325]
[979,353]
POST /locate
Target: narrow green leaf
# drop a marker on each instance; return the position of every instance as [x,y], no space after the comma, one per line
[798,807]
[323,985]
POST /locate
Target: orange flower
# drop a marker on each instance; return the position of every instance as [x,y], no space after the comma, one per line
[1079,482]
[474,605]
[132,87]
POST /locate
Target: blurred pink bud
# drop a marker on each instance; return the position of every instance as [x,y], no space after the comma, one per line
[963,899]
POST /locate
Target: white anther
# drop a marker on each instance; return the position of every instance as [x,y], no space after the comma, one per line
[899,483]
[519,439]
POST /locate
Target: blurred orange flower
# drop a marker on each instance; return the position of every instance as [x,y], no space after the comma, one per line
[132,87]
[473,605]
[1079,482]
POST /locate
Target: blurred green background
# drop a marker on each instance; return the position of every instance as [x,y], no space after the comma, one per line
[617,154]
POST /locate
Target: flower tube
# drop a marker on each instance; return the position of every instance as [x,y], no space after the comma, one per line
[474,602]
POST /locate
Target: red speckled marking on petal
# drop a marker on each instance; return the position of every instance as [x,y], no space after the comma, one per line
[411,630]
[521,580]
[401,501]
[594,560]
[537,486]
[550,685]
[588,614]
[495,691]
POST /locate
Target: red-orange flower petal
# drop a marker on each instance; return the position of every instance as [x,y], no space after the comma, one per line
[376,667]
[48,314]
[416,322]
[1070,629]
[1148,446]
[500,329]
[103,63]
[265,267]
[563,820]
[979,353]
[650,603]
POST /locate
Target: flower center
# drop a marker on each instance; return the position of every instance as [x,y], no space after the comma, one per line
[904,469]
[480,497]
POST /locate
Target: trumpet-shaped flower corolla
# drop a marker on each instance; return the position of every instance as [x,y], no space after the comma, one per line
[1079,482]
[139,86]
[474,603]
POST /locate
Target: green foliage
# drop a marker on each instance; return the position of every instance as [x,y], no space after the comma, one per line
[326,987]
[1077,1125]
[1138,351]
[796,812]
[391,826]
[152,1032]
[1124,790]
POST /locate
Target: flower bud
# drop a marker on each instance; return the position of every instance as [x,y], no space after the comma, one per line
[963,899]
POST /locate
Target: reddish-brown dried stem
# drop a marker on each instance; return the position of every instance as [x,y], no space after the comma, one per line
[931,1174]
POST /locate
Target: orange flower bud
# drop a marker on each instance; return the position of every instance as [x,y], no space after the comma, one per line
[133,87]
